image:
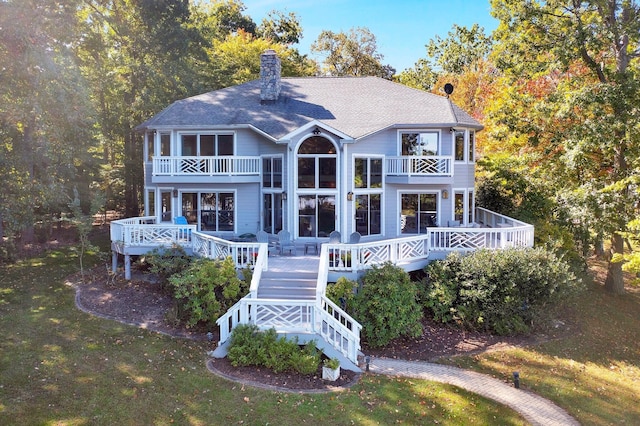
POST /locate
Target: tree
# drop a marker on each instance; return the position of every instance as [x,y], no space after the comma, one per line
[218,19]
[595,46]
[462,48]
[352,54]
[45,117]
[280,28]
[151,55]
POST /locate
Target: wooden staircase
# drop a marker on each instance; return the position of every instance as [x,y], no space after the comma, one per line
[288,286]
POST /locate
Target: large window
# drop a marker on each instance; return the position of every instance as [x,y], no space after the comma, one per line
[459,145]
[151,202]
[472,146]
[272,205]
[464,206]
[272,172]
[165,205]
[190,207]
[420,143]
[367,182]
[418,211]
[316,215]
[165,144]
[368,214]
[458,206]
[217,210]
[367,173]
[206,145]
[317,164]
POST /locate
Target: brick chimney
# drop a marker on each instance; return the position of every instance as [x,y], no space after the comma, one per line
[269,76]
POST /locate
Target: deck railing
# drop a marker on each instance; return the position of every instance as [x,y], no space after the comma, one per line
[296,316]
[143,231]
[206,166]
[357,257]
[409,165]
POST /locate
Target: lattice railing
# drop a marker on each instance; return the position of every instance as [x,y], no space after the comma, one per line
[356,257]
[206,166]
[335,326]
[419,165]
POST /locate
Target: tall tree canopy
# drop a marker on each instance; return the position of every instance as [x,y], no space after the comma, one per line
[587,121]
[352,54]
[44,112]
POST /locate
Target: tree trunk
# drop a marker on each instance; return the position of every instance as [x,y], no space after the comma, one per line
[614,282]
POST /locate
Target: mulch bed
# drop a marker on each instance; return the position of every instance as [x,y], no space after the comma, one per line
[143,303]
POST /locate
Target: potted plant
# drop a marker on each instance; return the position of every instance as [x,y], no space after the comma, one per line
[331,369]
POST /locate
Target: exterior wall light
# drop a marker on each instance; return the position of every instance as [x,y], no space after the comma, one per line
[175,193]
[284,196]
[349,196]
[445,194]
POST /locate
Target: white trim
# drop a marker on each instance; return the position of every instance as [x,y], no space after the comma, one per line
[307,129]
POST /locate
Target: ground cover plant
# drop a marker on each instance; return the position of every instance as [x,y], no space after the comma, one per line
[59,365]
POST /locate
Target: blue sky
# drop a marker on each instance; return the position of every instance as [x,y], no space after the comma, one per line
[402,27]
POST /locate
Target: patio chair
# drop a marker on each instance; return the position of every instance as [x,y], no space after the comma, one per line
[354,238]
[181,220]
[335,237]
[453,224]
[285,243]
[263,237]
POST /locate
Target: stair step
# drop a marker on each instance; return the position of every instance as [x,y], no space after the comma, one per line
[290,277]
[289,284]
[287,294]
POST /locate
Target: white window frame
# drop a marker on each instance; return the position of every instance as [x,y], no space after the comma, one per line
[271,158]
[439,201]
[200,133]
[437,132]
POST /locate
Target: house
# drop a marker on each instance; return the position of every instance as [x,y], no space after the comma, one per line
[311,155]
[306,157]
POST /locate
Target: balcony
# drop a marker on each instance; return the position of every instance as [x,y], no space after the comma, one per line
[209,169]
[406,169]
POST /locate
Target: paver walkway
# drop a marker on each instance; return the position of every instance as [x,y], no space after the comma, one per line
[535,409]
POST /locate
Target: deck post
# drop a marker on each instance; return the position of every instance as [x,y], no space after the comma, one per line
[127,267]
[114,261]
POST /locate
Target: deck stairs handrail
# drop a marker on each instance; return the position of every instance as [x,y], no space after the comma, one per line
[325,319]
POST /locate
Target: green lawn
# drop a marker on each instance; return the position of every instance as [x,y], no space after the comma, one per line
[60,366]
[595,372]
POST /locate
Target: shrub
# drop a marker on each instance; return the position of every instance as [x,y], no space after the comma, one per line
[343,294]
[207,289]
[387,305]
[165,262]
[502,291]
[250,346]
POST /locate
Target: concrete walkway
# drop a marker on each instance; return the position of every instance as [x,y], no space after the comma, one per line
[535,409]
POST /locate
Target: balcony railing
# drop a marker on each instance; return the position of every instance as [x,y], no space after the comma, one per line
[206,166]
[436,165]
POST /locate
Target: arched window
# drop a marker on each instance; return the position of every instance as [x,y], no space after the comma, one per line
[317,164]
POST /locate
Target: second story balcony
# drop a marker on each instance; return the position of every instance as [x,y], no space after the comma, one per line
[191,168]
[406,168]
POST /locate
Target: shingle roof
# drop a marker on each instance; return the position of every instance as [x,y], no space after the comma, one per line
[355,106]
